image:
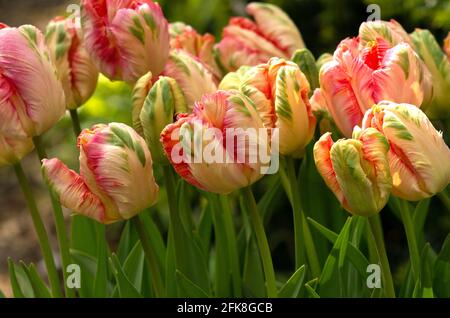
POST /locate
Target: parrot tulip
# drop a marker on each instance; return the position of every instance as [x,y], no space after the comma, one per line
[31,96]
[126,38]
[244,42]
[75,68]
[208,128]
[116,178]
[356,170]
[419,159]
[390,31]
[359,77]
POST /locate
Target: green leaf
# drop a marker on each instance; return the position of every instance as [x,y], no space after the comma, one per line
[16,289]
[84,237]
[311,291]
[2,295]
[189,288]
[126,288]
[292,287]
[101,275]
[127,241]
[40,290]
[88,267]
[134,266]
[441,279]
[307,63]
[253,275]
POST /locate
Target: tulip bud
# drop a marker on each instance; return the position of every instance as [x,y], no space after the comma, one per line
[356,170]
[191,75]
[31,96]
[216,127]
[307,64]
[418,156]
[358,77]
[13,150]
[75,68]
[439,67]
[390,31]
[244,42]
[185,37]
[140,92]
[162,103]
[116,178]
[126,39]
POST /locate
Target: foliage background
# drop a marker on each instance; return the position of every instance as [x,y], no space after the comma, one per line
[323,24]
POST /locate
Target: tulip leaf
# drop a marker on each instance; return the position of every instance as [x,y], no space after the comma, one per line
[253,275]
[2,295]
[126,288]
[292,287]
[420,215]
[267,203]
[133,266]
[311,291]
[170,278]
[189,288]
[40,290]
[84,237]
[101,275]
[127,241]
[307,63]
[88,267]
[441,280]
[15,286]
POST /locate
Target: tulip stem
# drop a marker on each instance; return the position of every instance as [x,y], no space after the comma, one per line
[40,231]
[60,225]
[411,237]
[302,232]
[263,244]
[75,122]
[149,255]
[377,233]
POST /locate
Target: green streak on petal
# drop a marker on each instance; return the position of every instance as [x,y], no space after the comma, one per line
[404,62]
[181,64]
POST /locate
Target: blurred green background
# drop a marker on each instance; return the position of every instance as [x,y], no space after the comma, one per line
[323,23]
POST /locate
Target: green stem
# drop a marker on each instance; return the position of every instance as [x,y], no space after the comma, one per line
[40,231]
[411,238]
[301,228]
[377,233]
[444,199]
[75,122]
[60,225]
[263,244]
[149,255]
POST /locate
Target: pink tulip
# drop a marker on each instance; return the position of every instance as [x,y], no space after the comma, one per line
[126,38]
[75,68]
[31,96]
[272,34]
[116,178]
[216,112]
[419,159]
[360,76]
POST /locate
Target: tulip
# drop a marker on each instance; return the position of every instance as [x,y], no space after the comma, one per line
[244,42]
[162,102]
[390,31]
[439,67]
[13,150]
[31,97]
[185,37]
[324,58]
[75,68]
[418,156]
[191,75]
[126,38]
[447,45]
[307,64]
[359,77]
[287,87]
[116,178]
[234,80]
[356,170]
[214,116]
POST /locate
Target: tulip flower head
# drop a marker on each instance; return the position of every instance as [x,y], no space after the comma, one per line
[186,38]
[356,170]
[215,147]
[439,66]
[247,42]
[31,96]
[287,89]
[390,31]
[155,107]
[75,68]
[126,38]
[193,77]
[360,76]
[116,178]
[418,157]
